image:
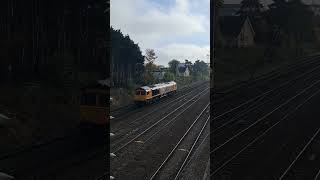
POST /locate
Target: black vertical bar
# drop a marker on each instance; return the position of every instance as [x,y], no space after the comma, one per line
[212,57]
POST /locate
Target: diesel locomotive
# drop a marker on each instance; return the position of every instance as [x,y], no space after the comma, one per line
[147,94]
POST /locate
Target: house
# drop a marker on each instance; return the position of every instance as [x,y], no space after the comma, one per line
[158,74]
[182,70]
[237,31]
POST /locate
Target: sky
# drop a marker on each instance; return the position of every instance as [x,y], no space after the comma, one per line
[175,29]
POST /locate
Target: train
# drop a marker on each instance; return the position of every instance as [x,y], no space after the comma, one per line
[95,100]
[148,94]
[94,103]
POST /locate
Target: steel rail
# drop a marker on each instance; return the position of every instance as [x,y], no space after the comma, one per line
[264,94]
[179,142]
[150,127]
[265,116]
[249,109]
[299,155]
[265,132]
[191,149]
[317,175]
[174,101]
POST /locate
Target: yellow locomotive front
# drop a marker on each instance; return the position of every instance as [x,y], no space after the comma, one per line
[94,103]
[142,95]
[94,106]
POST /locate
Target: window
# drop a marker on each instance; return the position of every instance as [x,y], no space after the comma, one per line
[155,92]
[88,99]
[141,92]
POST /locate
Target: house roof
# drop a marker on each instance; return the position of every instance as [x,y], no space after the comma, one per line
[182,67]
[232,25]
[253,24]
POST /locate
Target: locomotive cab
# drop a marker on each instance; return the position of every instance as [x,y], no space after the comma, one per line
[142,95]
[94,103]
[93,106]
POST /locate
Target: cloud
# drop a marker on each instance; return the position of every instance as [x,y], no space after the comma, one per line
[181,52]
[157,25]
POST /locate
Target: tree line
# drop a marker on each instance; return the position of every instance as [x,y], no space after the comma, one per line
[127,61]
[199,70]
[52,42]
[129,66]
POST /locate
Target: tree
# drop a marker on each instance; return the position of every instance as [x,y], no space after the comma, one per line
[250,8]
[200,70]
[173,65]
[294,19]
[189,65]
[299,22]
[217,35]
[168,76]
[126,59]
[278,13]
[148,78]
[150,56]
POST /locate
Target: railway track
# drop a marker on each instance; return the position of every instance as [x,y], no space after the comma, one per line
[238,129]
[254,85]
[258,136]
[125,128]
[163,132]
[251,105]
[250,150]
[50,151]
[115,147]
[294,70]
[259,101]
[181,152]
[306,164]
[124,112]
[270,76]
[239,93]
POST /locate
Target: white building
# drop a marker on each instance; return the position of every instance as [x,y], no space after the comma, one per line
[182,70]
